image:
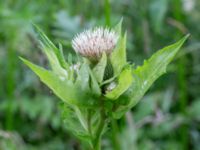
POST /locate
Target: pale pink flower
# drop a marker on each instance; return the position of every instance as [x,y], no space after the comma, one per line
[92,43]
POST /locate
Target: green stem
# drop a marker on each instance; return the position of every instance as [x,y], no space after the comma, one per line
[99,131]
[182,81]
[89,125]
[97,140]
[10,85]
[107,11]
[115,140]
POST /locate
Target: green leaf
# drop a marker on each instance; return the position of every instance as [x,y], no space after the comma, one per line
[87,81]
[145,75]
[61,57]
[83,77]
[55,55]
[118,56]
[53,81]
[64,89]
[94,85]
[124,81]
[76,122]
[99,69]
[82,122]
[118,27]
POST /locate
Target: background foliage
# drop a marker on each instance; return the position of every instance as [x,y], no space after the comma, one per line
[166,118]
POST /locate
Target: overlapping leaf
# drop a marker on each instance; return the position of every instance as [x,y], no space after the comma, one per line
[123,83]
[66,90]
[145,75]
[99,69]
[118,56]
[76,122]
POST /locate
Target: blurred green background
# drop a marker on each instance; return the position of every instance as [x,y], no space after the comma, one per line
[167,118]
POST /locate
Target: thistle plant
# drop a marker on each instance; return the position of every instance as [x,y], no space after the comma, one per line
[102,86]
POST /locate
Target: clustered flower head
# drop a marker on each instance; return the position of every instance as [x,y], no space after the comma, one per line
[92,43]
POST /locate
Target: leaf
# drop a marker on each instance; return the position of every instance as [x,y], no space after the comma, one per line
[124,81]
[118,27]
[64,89]
[118,56]
[61,57]
[55,55]
[94,85]
[145,75]
[83,77]
[82,122]
[75,121]
[87,81]
[99,69]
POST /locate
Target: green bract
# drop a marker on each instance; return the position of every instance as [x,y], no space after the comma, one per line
[94,93]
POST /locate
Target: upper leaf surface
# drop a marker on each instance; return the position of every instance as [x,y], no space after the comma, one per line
[118,56]
[63,88]
[145,75]
[123,83]
[55,55]
[99,69]
[118,27]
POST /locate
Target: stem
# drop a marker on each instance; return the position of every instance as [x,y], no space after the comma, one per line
[89,125]
[107,11]
[102,123]
[115,140]
[89,122]
[97,140]
[182,81]
[10,85]
[183,99]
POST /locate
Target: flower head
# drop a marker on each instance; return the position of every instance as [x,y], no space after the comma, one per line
[92,43]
